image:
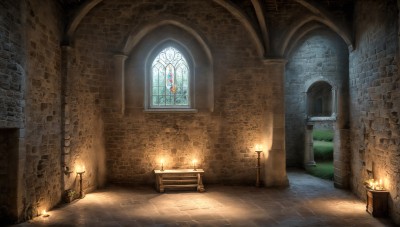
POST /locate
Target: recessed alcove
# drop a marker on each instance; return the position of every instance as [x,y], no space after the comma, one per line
[319,97]
[8,174]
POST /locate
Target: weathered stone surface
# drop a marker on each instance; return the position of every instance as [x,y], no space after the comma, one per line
[223,141]
[30,99]
[12,72]
[374,99]
[319,56]
[43,105]
[66,103]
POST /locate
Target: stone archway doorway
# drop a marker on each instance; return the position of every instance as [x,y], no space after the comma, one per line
[319,131]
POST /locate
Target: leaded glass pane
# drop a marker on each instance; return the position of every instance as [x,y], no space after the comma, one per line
[170,79]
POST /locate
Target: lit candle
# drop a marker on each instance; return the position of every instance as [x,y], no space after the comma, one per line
[45,214]
[380,184]
[258,147]
[80,169]
[194,164]
[162,164]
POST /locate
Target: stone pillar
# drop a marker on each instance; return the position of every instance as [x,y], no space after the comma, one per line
[119,88]
[341,158]
[334,102]
[273,169]
[309,146]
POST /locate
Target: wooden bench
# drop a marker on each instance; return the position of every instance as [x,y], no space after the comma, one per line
[179,179]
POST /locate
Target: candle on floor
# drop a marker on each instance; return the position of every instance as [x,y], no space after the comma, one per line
[45,214]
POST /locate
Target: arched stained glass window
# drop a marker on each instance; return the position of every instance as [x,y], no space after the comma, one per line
[169,80]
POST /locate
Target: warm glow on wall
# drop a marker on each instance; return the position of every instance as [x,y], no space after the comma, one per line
[262,148]
[259,147]
[80,168]
[194,162]
[162,164]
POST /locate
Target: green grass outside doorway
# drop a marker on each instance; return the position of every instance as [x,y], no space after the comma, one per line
[322,170]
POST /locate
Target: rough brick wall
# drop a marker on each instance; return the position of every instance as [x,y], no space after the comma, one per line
[223,141]
[30,34]
[375,103]
[11,65]
[321,55]
[43,106]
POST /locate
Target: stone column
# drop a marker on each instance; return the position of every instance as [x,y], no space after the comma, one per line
[273,169]
[119,88]
[309,146]
[341,158]
[334,102]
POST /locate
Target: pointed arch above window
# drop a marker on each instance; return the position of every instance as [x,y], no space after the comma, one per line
[196,62]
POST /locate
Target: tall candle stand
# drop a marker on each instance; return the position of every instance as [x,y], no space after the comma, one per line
[81,194]
[258,168]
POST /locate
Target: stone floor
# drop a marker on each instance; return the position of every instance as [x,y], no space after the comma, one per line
[308,201]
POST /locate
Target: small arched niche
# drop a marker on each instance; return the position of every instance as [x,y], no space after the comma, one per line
[320,100]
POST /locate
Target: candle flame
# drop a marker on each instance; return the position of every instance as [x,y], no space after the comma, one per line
[45,214]
[80,168]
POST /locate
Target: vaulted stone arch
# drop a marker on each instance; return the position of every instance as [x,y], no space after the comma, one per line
[263,24]
[298,37]
[301,25]
[141,31]
[236,12]
[327,18]
[76,20]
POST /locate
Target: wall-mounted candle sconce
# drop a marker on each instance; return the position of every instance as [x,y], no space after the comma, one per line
[258,150]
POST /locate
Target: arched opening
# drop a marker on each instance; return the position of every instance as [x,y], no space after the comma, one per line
[319,100]
[319,136]
[316,90]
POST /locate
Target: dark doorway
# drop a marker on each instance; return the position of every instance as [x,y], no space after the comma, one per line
[8,175]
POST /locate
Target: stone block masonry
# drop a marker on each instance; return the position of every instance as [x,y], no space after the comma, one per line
[374,99]
[11,66]
[30,34]
[320,56]
[222,141]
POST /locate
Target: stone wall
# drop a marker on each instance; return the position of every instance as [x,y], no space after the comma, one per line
[30,34]
[319,56]
[43,106]
[247,107]
[11,65]
[374,86]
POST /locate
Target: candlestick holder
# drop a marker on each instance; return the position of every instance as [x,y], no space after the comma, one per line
[81,194]
[258,168]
